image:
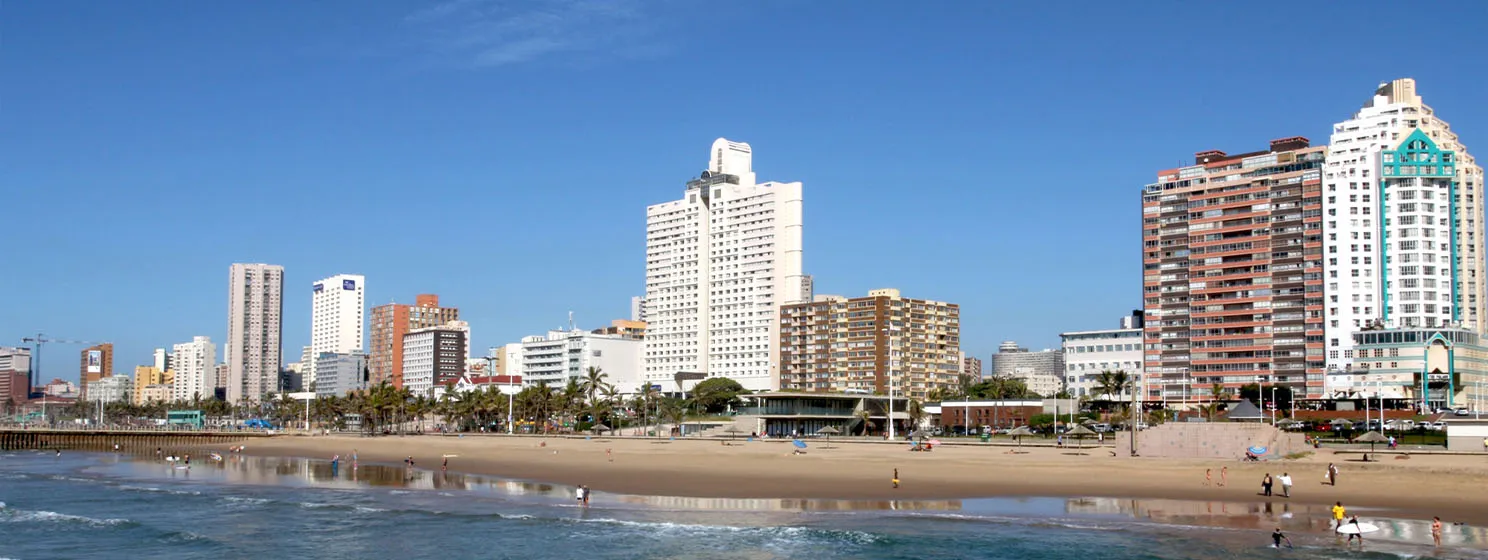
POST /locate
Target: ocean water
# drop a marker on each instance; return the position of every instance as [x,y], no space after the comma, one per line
[102,505]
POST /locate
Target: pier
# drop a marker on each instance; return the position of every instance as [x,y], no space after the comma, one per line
[127,440]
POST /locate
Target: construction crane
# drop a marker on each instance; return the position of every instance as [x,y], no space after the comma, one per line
[39,340]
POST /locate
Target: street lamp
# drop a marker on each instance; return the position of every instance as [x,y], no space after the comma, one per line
[1273,405]
[511,396]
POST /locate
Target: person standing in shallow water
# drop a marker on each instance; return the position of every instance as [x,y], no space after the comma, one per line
[896,478]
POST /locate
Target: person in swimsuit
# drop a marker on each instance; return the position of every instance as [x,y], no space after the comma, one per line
[896,478]
[1436,530]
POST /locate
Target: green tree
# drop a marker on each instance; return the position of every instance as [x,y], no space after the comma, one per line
[715,395]
[1259,395]
[1112,385]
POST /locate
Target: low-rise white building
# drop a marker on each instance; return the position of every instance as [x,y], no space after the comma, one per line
[560,355]
[1088,353]
[114,388]
[340,373]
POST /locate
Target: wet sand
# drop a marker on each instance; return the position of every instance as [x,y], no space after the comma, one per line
[1423,486]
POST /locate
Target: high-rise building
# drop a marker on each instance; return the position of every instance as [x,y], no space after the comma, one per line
[719,264]
[1042,372]
[15,377]
[255,309]
[1233,273]
[434,356]
[336,307]
[808,289]
[390,323]
[162,360]
[195,373]
[842,344]
[971,367]
[1403,211]
[15,390]
[638,309]
[96,362]
[147,376]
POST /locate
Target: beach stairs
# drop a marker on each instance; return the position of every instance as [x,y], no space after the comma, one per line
[743,424]
[1213,440]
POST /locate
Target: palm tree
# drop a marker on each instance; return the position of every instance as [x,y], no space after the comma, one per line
[594,380]
[866,418]
[1113,384]
[916,414]
[1217,395]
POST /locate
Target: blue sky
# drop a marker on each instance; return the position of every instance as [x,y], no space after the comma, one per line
[502,154]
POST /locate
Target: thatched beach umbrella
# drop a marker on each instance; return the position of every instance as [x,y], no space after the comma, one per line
[1019,432]
[1081,432]
[597,428]
[732,431]
[1371,438]
[828,432]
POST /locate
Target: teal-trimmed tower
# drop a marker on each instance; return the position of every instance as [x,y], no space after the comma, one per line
[1418,228]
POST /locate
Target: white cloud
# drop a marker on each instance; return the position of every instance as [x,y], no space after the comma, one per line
[494,33]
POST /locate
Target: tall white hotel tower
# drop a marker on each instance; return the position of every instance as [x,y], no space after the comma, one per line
[336,310]
[719,264]
[255,311]
[1402,213]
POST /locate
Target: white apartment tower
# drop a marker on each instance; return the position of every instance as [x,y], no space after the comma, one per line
[719,264]
[336,312]
[255,307]
[195,364]
[1402,207]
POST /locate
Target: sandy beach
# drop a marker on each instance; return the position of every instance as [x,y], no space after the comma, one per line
[1423,486]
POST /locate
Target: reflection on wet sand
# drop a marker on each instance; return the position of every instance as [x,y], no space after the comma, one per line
[240,469]
[1263,516]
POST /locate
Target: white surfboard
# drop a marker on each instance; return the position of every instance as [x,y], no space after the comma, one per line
[1356,529]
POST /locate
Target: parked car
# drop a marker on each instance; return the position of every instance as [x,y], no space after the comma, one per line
[1461,412]
[1437,425]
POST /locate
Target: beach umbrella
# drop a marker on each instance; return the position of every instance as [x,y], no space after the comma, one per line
[600,428]
[1080,431]
[1371,438]
[919,434]
[732,431]
[1019,432]
[798,443]
[828,432]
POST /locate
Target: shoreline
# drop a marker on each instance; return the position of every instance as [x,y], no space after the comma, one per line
[843,470]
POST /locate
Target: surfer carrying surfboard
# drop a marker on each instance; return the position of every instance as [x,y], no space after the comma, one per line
[1357,532]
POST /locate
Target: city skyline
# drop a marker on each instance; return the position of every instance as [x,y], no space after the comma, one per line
[942,140]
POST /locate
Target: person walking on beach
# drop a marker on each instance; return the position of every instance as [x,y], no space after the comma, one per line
[586,496]
[1332,474]
[896,478]
[1208,477]
[1286,485]
[1224,476]
[1266,483]
[1436,530]
[1338,512]
[445,466]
